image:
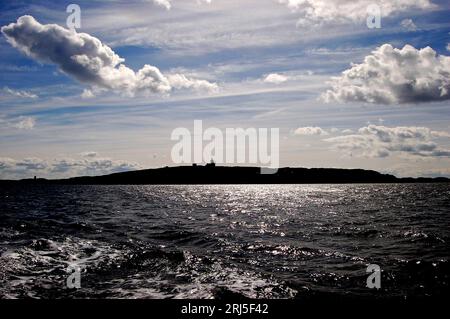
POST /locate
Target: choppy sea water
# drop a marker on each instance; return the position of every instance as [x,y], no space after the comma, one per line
[258,241]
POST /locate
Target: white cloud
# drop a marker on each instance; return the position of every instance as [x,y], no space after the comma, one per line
[9,165]
[85,58]
[391,75]
[163,3]
[21,122]
[320,12]
[19,93]
[382,141]
[63,167]
[180,81]
[408,24]
[334,130]
[87,94]
[275,78]
[448,46]
[25,123]
[310,130]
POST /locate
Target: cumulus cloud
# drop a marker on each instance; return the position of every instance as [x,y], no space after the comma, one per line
[382,141]
[32,163]
[63,167]
[163,3]
[180,81]
[334,130]
[19,93]
[448,46]
[310,130]
[21,122]
[86,58]
[408,24]
[321,12]
[391,75]
[87,94]
[25,123]
[275,78]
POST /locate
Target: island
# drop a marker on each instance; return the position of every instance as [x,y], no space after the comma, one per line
[212,174]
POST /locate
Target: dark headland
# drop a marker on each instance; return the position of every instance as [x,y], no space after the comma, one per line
[211,174]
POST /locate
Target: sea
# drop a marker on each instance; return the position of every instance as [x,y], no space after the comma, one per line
[225,241]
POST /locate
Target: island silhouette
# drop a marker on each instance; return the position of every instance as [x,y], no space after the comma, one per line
[212,174]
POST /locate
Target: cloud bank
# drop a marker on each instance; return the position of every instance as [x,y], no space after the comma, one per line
[322,12]
[382,141]
[394,76]
[89,61]
[89,164]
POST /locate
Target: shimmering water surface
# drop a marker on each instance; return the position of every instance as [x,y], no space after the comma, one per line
[261,241]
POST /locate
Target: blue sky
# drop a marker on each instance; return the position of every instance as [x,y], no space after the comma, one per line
[226,49]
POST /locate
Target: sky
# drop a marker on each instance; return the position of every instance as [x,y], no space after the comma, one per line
[107,96]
